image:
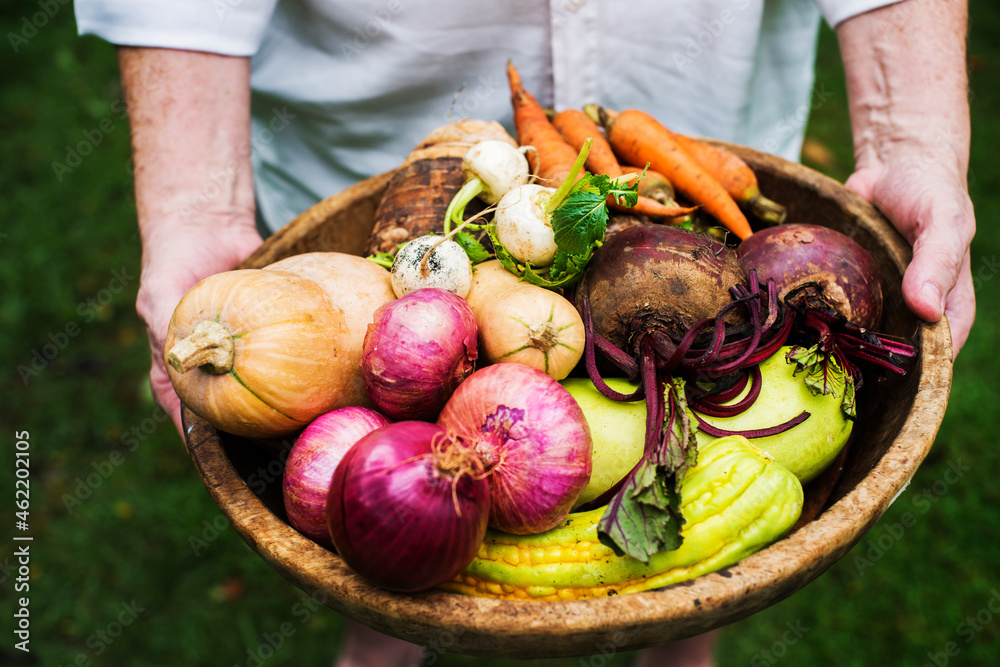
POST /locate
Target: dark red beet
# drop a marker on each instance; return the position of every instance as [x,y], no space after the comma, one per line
[841,274]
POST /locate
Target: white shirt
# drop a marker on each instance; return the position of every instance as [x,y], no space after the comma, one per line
[344,90]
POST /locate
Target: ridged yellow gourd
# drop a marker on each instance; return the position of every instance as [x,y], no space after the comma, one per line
[735,501]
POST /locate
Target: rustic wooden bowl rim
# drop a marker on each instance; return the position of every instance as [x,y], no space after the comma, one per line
[537,629]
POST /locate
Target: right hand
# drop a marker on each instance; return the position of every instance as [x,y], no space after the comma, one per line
[172,263]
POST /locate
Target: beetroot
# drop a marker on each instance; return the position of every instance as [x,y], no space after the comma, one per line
[654,276]
[820,267]
[660,302]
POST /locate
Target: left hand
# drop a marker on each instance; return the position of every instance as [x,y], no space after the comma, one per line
[908,96]
[929,204]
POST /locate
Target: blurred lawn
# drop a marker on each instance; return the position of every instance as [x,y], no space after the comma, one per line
[132,564]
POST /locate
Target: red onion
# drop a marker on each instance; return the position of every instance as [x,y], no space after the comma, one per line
[838,273]
[417,350]
[312,461]
[533,439]
[408,506]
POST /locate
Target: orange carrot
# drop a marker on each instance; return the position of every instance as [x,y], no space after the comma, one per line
[554,156]
[576,128]
[638,138]
[735,176]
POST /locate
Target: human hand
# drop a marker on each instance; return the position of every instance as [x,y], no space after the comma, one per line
[173,260]
[189,117]
[905,68]
[926,198]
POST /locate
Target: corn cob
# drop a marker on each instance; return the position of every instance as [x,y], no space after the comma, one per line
[736,500]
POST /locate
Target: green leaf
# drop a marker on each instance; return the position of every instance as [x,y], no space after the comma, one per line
[503,255]
[580,221]
[849,405]
[645,517]
[823,374]
[565,270]
[626,195]
[472,247]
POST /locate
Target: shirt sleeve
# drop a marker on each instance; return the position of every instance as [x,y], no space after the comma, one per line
[227,27]
[837,11]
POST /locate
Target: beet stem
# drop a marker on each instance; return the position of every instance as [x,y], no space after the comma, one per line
[590,361]
[751,433]
[715,408]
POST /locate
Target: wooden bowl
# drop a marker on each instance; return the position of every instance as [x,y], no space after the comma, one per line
[898,420]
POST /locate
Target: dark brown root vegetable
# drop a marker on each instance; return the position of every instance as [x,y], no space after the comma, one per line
[832,270]
[418,194]
[656,277]
[618,221]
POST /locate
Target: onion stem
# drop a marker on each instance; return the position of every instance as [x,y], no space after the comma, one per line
[455,458]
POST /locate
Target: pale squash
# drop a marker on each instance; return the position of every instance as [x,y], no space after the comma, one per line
[489,280]
[258,353]
[358,287]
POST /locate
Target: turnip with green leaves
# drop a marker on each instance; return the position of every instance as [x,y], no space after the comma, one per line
[494,168]
[522,225]
[491,169]
[546,236]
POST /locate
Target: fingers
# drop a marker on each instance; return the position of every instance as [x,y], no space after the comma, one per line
[940,255]
[164,395]
[862,182]
[935,214]
[961,307]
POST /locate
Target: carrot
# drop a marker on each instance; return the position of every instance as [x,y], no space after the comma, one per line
[638,138]
[735,176]
[553,157]
[575,127]
[418,194]
[654,185]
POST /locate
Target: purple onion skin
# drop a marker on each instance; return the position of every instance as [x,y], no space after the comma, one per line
[656,276]
[391,513]
[417,350]
[312,461]
[533,438]
[793,254]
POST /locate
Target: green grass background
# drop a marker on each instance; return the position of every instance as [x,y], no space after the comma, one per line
[121,578]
